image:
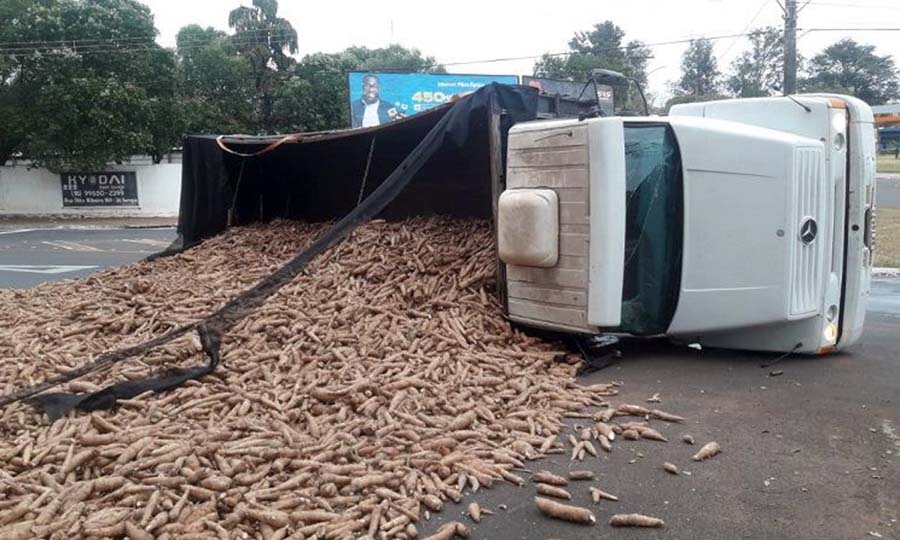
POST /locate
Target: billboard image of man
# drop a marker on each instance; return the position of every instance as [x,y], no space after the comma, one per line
[369,110]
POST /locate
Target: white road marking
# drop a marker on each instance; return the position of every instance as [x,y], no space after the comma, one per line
[148,242]
[80,247]
[43,269]
[17,231]
[70,246]
[54,244]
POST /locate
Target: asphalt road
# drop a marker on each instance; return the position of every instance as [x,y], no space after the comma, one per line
[31,256]
[813,453]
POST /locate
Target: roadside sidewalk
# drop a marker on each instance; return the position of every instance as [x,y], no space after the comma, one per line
[885,273]
[59,222]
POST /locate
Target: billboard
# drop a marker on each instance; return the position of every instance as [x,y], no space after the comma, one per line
[381,97]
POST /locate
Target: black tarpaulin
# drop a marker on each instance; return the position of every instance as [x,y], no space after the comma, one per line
[319,176]
[439,163]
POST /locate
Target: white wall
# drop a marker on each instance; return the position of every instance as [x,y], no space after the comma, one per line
[38,192]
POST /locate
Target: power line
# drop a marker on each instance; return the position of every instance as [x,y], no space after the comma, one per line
[855,6]
[104,48]
[124,50]
[133,48]
[749,24]
[606,49]
[876,29]
[148,38]
[64,47]
[65,42]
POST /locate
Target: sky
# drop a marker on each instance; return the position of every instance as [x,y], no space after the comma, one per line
[475,30]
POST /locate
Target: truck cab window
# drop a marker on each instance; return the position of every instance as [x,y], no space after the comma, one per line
[653,228]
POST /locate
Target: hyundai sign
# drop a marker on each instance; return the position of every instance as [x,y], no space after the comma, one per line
[118,188]
[378,98]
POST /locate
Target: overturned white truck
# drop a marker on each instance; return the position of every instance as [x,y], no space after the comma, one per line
[743,224]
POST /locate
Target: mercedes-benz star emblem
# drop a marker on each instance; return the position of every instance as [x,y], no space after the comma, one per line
[808,230]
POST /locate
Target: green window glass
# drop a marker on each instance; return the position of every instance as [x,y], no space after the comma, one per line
[653,228]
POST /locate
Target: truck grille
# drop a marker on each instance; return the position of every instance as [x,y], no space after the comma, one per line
[810,238]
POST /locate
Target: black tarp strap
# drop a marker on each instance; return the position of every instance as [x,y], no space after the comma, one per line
[237,190]
[362,185]
[58,404]
[451,129]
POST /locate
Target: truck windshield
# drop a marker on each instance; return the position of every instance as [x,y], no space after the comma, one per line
[653,228]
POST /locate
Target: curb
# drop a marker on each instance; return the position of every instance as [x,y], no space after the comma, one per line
[12,224]
[110,227]
[886,273]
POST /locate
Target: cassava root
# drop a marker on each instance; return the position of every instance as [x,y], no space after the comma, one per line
[381,382]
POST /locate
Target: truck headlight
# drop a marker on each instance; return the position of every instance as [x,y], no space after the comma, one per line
[839,127]
[839,121]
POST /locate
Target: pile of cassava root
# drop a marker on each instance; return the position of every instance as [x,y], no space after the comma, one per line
[376,386]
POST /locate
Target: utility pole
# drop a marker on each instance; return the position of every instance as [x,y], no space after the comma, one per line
[790,47]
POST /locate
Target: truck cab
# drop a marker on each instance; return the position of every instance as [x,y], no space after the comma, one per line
[743,224]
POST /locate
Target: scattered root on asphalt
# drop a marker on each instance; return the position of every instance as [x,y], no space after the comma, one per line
[635,520]
[381,382]
[707,451]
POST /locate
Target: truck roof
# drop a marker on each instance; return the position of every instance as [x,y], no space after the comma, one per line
[859,110]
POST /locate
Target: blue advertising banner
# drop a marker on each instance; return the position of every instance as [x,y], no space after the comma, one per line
[378,98]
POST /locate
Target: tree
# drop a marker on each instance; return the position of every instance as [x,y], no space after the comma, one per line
[393,58]
[759,71]
[699,70]
[264,39]
[87,83]
[555,67]
[851,68]
[315,96]
[216,93]
[599,48]
[165,120]
[12,133]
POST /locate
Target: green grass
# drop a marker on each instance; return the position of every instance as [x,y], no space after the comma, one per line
[887,238]
[888,164]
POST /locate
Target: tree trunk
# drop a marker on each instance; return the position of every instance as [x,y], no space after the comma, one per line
[6,153]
